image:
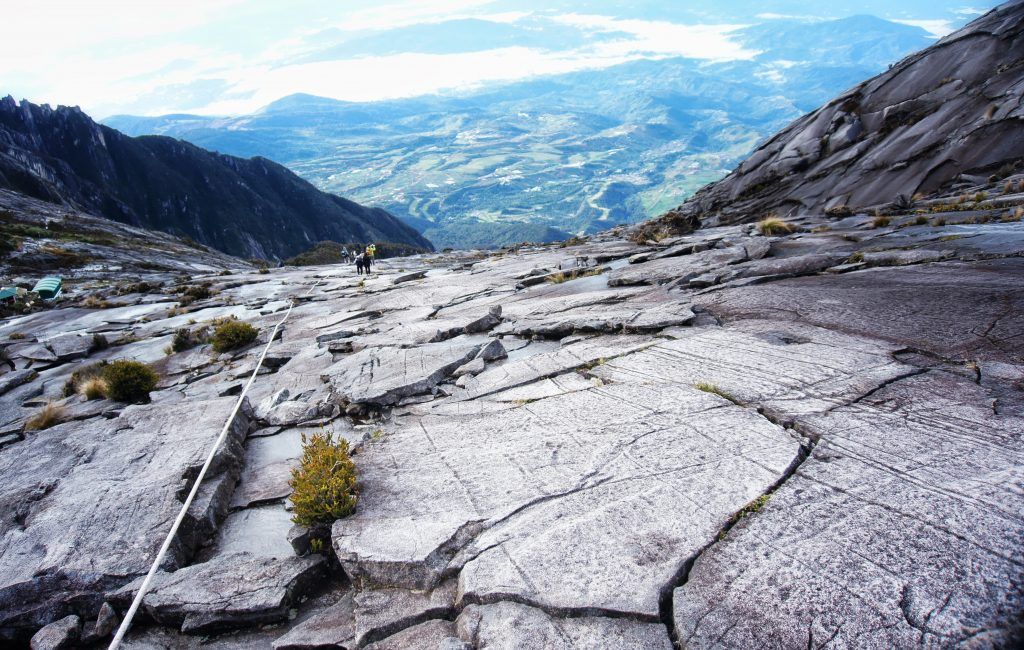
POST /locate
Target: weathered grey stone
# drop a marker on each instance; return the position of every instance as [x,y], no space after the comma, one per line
[106,622]
[511,626]
[81,502]
[474,367]
[16,378]
[613,473]
[528,369]
[679,269]
[409,277]
[436,635]
[379,613]
[231,591]
[386,375]
[57,635]
[69,346]
[332,628]
[492,351]
[894,529]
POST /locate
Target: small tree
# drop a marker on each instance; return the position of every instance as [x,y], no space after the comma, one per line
[324,484]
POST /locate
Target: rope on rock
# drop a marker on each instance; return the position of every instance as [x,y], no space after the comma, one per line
[144,588]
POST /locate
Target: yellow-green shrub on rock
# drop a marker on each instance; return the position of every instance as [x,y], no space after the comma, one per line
[129,381]
[233,334]
[324,484]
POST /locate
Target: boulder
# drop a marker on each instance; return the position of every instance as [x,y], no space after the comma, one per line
[57,635]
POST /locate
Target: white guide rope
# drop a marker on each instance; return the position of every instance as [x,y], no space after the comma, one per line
[126,623]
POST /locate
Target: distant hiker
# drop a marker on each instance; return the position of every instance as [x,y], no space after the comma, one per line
[368,262]
[360,259]
[344,255]
[371,250]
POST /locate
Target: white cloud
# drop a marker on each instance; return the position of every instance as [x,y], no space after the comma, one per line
[938,28]
[711,42]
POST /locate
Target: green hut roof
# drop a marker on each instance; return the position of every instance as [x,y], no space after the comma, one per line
[48,286]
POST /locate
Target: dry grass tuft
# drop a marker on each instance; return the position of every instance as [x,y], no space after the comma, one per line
[93,388]
[48,416]
[774,226]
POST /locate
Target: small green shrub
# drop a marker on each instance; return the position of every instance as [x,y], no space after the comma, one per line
[921,221]
[182,340]
[16,336]
[48,416]
[880,221]
[190,294]
[232,335]
[324,484]
[129,381]
[99,342]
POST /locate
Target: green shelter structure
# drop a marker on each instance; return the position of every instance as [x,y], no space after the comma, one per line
[48,288]
[8,294]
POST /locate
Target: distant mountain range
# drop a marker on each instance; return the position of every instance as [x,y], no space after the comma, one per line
[561,155]
[252,208]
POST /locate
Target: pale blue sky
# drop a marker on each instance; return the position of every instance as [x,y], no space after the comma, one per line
[233,56]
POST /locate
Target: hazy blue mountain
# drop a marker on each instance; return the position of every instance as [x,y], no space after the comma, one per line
[558,155]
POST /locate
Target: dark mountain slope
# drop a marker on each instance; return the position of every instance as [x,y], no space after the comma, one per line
[249,208]
[946,117]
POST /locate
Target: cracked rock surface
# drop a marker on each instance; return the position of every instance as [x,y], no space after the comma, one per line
[721,439]
[799,449]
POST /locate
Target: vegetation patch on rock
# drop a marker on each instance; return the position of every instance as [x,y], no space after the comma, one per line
[324,484]
[233,334]
[129,381]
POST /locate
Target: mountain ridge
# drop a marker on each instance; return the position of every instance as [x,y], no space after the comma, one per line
[246,207]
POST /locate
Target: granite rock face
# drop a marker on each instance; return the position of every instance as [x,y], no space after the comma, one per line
[935,121]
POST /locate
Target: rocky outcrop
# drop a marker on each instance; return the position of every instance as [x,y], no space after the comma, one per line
[251,208]
[943,119]
[830,417]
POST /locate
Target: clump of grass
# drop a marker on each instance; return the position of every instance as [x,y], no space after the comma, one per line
[192,293]
[324,485]
[939,222]
[856,258]
[565,276]
[880,221]
[921,221]
[17,336]
[233,335]
[99,342]
[715,390]
[94,388]
[186,339]
[772,225]
[264,271]
[980,197]
[79,377]
[48,416]
[92,302]
[129,381]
